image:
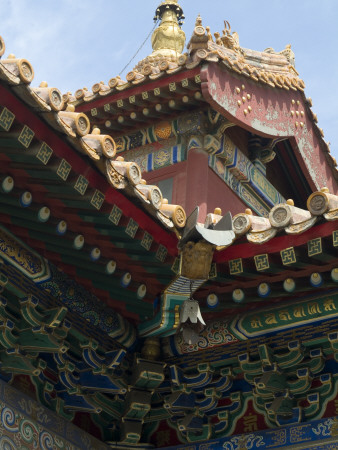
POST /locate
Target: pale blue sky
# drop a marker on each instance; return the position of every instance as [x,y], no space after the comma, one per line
[76,43]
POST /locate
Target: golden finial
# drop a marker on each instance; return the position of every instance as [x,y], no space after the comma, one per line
[168,39]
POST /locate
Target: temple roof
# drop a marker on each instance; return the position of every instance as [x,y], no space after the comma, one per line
[75,150]
[275,69]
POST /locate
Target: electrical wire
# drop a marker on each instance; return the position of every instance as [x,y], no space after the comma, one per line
[140,48]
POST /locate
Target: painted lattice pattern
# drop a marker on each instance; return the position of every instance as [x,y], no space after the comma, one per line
[115,215]
[44,154]
[236,266]
[335,238]
[64,170]
[81,185]
[26,136]
[6,119]
[147,241]
[314,247]
[288,256]
[262,262]
[132,228]
[97,199]
[161,253]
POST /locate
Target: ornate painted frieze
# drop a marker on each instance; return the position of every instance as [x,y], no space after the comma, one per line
[285,317]
[255,324]
[28,425]
[22,257]
[156,133]
[323,431]
[23,265]
[241,175]
[162,131]
[156,156]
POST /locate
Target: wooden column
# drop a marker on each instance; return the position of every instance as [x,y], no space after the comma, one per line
[197,178]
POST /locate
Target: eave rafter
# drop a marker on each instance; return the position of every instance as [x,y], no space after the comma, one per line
[57,178]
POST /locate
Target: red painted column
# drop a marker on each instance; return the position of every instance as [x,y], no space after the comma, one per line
[197,180]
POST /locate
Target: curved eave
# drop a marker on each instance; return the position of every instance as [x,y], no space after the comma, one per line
[271,113]
[117,241]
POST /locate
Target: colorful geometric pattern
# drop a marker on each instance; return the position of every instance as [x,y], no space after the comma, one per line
[335,238]
[64,170]
[115,215]
[213,271]
[236,266]
[150,158]
[147,240]
[97,199]
[22,257]
[299,436]
[26,424]
[314,247]
[81,184]
[288,256]
[161,253]
[184,286]
[262,262]
[191,123]
[132,228]
[44,153]
[26,136]
[242,176]
[176,266]
[6,119]
[162,131]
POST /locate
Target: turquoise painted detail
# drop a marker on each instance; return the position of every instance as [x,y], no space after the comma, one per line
[240,174]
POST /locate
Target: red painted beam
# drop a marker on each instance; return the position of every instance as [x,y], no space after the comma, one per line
[114,97]
[276,244]
[60,148]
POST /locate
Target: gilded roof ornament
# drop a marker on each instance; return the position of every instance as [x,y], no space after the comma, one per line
[168,39]
[287,52]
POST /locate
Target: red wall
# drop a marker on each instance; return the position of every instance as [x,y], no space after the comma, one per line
[195,184]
